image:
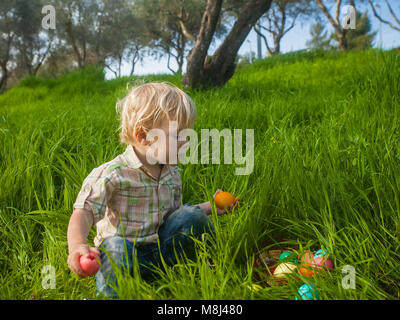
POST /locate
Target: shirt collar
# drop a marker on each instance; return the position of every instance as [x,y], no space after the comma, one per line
[131,158]
[134,162]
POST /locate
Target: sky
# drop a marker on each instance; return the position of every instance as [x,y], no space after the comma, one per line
[295,39]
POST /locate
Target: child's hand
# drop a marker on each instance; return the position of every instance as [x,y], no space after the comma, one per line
[74,256]
[223,211]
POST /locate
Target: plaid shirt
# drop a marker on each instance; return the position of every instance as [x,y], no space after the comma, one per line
[126,201]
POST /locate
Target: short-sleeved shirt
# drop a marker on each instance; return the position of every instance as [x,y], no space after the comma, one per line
[127,201]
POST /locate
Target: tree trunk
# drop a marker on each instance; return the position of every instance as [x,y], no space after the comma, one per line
[195,59]
[204,71]
[4,62]
[3,79]
[342,40]
[277,44]
[133,63]
[181,53]
[68,29]
[83,62]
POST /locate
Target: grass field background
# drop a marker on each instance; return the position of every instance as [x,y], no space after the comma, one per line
[326,174]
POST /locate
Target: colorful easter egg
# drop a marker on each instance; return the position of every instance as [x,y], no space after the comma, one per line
[283,269]
[320,253]
[287,256]
[322,261]
[308,292]
[307,258]
[306,271]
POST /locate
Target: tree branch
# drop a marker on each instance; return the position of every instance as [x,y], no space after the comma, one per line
[109,68]
[328,16]
[338,4]
[392,13]
[291,26]
[41,59]
[268,29]
[185,31]
[182,18]
[283,20]
[169,58]
[264,38]
[380,19]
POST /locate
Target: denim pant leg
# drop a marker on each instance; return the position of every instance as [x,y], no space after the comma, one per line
[174,234]
[115,249]
[148,258]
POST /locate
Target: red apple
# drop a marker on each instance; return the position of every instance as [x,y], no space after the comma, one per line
[89,265]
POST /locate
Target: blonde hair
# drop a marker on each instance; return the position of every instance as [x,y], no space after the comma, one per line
[148,105]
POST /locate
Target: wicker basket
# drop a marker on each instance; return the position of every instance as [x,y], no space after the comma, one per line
[266,261]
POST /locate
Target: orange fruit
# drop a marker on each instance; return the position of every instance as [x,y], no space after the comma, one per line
[224,199]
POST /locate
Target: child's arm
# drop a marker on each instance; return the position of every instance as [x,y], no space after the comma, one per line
[206,206]
[78,229]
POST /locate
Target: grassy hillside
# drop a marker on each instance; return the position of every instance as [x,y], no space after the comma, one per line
[326,174]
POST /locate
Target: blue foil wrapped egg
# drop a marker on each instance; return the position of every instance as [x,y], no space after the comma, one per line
[308,292]
[320,253]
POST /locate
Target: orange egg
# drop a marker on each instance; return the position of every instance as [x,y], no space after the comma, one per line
[307,272]
[224,199]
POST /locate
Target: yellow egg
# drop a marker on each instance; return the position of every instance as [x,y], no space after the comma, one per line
[283,269]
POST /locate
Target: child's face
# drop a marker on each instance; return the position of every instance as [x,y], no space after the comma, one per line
[168,150]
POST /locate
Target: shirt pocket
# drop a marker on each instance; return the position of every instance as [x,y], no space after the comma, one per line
[134,203]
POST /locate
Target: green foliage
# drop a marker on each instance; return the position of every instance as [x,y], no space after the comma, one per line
[362,36]
[244,60]
[326,156]
[319,37]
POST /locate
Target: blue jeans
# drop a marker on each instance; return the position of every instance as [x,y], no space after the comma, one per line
[174,236]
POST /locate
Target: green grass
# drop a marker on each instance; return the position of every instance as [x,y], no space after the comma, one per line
[327,158]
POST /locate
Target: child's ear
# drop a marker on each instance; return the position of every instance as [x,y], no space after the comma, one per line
[140,135]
